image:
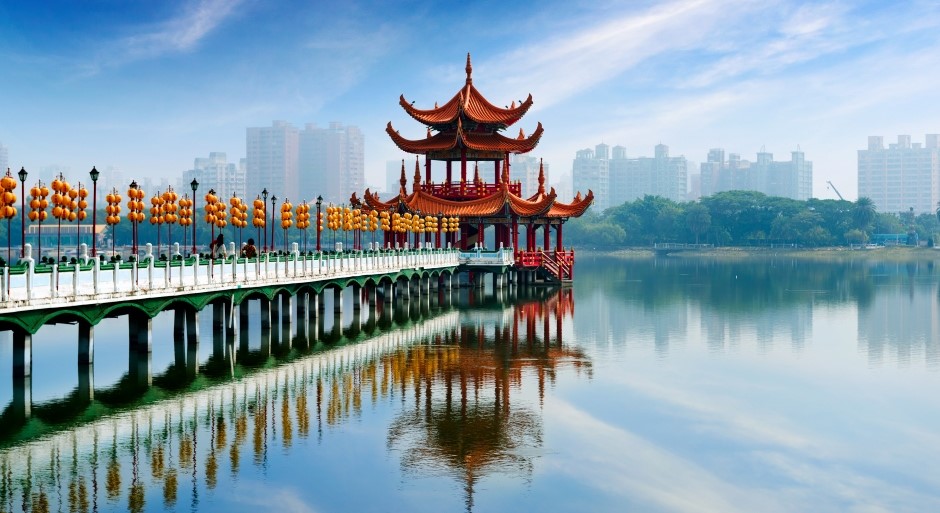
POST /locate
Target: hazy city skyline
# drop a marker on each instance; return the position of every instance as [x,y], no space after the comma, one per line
[144,90]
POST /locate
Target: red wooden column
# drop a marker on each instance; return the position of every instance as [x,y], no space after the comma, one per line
[481,238]
[427,172]
[450,177]
[463,171]
[496,177]
[515,233]
[548,237]
[558,244]
[530,237]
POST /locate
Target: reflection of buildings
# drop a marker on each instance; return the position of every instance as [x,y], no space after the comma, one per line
[176,450]
[901,323]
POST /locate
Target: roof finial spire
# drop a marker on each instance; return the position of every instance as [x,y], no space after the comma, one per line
[403,181]
[469,70]
[541,177]
[417,182]
[505,177]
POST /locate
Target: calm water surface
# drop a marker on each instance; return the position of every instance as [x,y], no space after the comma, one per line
[652,385]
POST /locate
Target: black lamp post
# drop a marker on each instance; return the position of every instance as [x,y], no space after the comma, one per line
[134,224]
[264,194]
[194,185]
[94,211]
[319,203]
[273,219]
[22,174]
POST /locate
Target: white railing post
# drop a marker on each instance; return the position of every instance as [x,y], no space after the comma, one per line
[53,279]
[75,271]
[5,284]
[195,269]
[95,271]
[114,276]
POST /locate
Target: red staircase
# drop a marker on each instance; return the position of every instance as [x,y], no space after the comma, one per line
[556,265]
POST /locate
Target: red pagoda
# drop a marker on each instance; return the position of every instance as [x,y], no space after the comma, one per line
[467,129]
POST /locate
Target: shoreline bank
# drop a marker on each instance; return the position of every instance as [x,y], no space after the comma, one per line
[896,253]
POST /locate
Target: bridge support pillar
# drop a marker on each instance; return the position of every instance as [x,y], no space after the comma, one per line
[192,344]
[357,297]
[218,316]
[243,326]
[265,313]
[303,320]
[275,311]
[479,282]
[287,322]
[355,326]
[179,337]
[372,294]
[86,362]
[140,348]
[22,374]
[338,301]
[388,293]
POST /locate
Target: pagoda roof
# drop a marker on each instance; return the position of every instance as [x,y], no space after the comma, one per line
[574,209]
[479,141]
[468,102]
[494,204]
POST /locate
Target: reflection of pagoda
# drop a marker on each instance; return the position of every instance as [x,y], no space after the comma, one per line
[470,429]
[467,129]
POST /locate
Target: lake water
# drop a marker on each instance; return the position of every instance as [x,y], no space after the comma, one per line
[669,385]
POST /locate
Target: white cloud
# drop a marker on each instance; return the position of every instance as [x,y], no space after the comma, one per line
[176,35]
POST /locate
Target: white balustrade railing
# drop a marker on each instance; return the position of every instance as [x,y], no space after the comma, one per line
[479,256]
[29,288]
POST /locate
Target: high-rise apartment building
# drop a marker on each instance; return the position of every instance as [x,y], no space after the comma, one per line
[616,178]
[331,162]
[661,175]
[901,176]
[272,160]
[4,158]
[525,169]
[215,172]
[589,171]
[787,179]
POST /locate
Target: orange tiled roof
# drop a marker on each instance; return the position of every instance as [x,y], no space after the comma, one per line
[469,102]
[574,209]
[493,204]
[480,141]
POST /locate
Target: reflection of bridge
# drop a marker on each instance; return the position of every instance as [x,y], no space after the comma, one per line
[664,248]
[202,435]
[88,292]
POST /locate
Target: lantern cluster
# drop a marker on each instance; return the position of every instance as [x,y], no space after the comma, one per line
[385,221]
[63,200]
[135,205]
[303,216]
[186,211]
[170,207]
[257,214]
[113,210]
[156,209]
[371,222]
[430,224]
[287,216]
[215,210]
[334,218]
[398,224]
[7,197]
[81,193]
[38,202]
[451,224]
[239,212]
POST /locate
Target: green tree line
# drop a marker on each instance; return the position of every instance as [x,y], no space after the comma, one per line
[745,218]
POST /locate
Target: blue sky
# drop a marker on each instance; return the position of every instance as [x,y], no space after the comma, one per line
[148,86]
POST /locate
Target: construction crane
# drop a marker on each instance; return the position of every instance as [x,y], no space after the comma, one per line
[837,190]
